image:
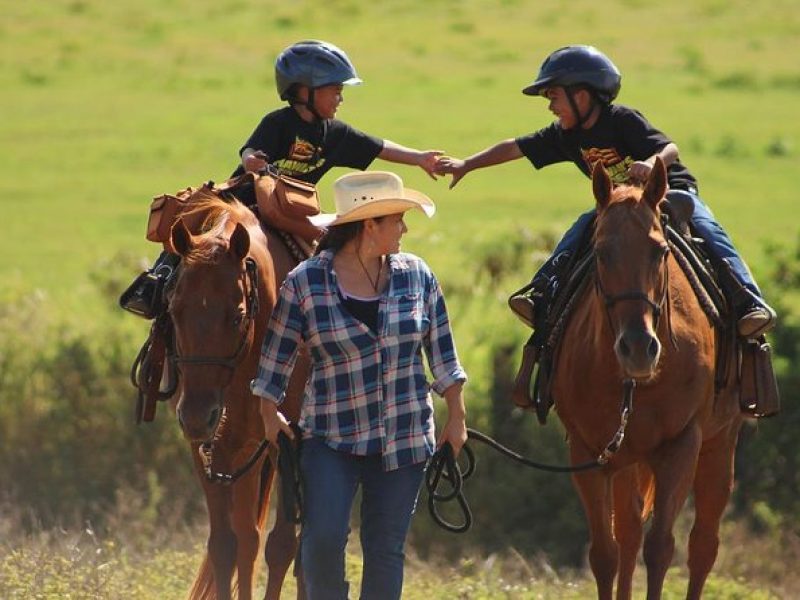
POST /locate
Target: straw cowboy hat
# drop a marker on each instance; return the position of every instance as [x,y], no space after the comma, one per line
[366,195]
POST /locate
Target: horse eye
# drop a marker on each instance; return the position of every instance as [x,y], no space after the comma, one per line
[660,253]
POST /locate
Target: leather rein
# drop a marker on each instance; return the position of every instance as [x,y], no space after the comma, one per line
[443,466]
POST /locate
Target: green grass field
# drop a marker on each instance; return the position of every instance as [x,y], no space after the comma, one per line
[105,105]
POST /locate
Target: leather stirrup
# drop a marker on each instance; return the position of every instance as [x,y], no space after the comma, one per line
[521,391]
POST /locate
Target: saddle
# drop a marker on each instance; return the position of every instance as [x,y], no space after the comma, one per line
[758,392]
[282,204]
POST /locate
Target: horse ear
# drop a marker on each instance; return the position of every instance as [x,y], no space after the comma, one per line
[240,242]
[656,186]
[181,238]
[601,185]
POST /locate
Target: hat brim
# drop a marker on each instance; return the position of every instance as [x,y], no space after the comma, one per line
[379,208]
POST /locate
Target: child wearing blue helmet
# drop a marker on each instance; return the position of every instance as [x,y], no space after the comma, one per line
[581,83]
[304,139]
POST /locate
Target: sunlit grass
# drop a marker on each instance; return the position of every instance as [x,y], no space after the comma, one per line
[79,565]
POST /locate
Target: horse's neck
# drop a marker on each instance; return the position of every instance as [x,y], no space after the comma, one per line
[279,255]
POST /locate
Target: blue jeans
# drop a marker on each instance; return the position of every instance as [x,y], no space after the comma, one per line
[718,243]
[388,500]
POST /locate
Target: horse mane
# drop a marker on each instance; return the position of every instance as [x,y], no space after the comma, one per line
[218,219]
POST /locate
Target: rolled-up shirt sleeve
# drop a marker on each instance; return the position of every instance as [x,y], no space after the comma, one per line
[439,344]
[280,347]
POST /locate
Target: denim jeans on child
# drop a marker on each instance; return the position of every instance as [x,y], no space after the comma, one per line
[388,500]
[719,244]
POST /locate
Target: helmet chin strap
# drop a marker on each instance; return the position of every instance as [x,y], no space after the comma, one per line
[581,118]
[309,104]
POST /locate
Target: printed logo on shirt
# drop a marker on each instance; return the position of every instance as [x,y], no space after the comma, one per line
[616,165]
[304,157]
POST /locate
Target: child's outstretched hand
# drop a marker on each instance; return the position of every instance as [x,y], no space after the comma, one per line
[453,166]
[428,160]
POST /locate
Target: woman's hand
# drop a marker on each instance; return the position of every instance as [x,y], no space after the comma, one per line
[274,422]
[454,432]
[455,429]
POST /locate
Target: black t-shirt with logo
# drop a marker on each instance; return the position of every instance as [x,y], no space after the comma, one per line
[620,137]
[307,151]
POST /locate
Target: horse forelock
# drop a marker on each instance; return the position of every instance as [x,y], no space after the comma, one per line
[610,219]
[219,222]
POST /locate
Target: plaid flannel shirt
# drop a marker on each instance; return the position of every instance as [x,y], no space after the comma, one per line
[367,393]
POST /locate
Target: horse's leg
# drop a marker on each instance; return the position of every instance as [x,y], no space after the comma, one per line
[245,512]
[595,492]
[673,467]
[221,538]
[281,543]
[628,509]
[712,489]
[279,551]
[281,547]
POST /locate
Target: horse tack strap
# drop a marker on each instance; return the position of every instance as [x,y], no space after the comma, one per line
[251,310]
[147,370]
[443,465]
[206,452]
[627,406]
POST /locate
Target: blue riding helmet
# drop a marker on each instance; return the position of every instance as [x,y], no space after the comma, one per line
[575,66]
[312,63]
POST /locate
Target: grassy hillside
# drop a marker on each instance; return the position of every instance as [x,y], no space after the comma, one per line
[106,104]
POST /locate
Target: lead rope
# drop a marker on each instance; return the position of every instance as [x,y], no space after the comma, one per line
[444,466]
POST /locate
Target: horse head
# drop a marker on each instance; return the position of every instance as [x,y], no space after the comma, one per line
[213,306]
[631,266]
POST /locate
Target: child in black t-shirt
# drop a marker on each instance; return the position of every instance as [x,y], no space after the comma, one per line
[580,83]
[305,140]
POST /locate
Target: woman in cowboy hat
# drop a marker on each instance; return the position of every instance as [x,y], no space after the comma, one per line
[367,312]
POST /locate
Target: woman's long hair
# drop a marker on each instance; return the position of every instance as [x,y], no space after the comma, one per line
[337,236]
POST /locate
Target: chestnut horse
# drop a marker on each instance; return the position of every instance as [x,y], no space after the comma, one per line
[680,435]
[220,304]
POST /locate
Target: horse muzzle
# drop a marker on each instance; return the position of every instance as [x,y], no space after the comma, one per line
[638,352]
[199,413]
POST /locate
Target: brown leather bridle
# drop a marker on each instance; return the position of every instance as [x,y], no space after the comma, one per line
[251,310]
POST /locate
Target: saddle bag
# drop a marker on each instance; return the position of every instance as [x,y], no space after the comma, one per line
[164,211]
[758,387]
[286,203]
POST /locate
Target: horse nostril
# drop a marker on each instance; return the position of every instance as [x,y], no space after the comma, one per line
[653,347]
[213,417]
[624,349]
